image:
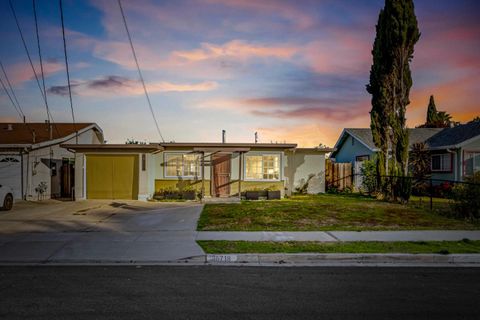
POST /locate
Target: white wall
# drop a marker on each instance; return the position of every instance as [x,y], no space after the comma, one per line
[305,165]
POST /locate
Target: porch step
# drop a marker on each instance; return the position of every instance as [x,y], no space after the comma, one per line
[221,200]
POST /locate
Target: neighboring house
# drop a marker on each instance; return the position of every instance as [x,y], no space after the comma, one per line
[214,169]
[32,161]
[455,151]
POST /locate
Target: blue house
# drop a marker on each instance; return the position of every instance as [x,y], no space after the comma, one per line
[455,151]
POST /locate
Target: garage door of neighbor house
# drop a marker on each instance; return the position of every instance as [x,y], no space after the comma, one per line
[11,173]
[112,176]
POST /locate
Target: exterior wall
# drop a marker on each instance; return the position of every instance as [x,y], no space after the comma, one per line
[348,152]
[305,166]
[37,171]
[472,146]
[163,182]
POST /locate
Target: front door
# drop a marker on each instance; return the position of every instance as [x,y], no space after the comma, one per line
[221,175]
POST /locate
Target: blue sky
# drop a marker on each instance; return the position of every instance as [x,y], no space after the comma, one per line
[291,70]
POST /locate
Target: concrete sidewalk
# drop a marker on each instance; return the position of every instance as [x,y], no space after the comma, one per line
[335,236]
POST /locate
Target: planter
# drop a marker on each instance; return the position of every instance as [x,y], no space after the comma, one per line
[172,195]
[188,195]
[252,195]
[274,195]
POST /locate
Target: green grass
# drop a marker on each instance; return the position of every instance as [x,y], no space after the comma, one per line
[327,212]
[443,247]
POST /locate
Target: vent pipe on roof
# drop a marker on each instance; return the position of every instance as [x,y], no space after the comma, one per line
[34,136]
[256,137]
[224,136]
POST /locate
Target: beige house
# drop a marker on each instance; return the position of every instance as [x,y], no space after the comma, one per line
[212,169]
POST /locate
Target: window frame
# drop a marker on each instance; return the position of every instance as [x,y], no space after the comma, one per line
[262,154]
[182,154]
[450,169]
[464,164]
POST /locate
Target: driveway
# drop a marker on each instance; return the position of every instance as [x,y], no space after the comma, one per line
[99,231]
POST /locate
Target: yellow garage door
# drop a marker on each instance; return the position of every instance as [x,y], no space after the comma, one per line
[112,176]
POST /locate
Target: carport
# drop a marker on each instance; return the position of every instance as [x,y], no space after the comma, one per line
[112,171]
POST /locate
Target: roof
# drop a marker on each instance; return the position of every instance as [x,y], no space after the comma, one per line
[364,135]
[113,147]
[228,145]
[455,136]
[22,133]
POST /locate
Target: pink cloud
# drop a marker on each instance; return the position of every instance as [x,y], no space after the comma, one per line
[22,72]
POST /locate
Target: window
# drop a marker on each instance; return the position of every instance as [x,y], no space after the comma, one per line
[362,158]
[181,165]
[442,162]
[471,162]
[262,167]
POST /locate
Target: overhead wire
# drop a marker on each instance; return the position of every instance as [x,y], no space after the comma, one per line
[49,115]
[16,104]
[68,72]
[10,98]
[139,71]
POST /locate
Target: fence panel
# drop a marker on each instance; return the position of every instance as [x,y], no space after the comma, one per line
[338,175]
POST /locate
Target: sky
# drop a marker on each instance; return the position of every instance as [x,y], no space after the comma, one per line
[292,71]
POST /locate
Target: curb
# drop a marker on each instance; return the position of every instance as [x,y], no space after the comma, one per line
[344,259]
[283,260]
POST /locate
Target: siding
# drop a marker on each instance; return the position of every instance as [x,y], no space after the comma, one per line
[348,152]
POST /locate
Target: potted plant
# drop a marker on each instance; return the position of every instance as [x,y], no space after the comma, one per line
[159,195]
[171,194]
[188,193]
[273,193]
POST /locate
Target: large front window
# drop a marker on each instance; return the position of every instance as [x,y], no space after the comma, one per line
[262,167]
[471,162]
[182,165]
[442,162]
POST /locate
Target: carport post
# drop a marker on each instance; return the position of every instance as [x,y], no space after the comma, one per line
[240,175]
[203,175]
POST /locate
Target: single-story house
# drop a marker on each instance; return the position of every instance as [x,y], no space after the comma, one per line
[32,162]
[455,151]
[139,171]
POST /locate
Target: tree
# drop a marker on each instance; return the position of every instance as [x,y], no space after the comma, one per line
[420,161]
[476,119]
[436,119]
[431,112]
[390,83]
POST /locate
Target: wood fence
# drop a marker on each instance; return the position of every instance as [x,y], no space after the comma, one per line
[338,175]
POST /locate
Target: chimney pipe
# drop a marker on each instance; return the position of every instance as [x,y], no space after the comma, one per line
[256,137]
[34,136]
[224,136]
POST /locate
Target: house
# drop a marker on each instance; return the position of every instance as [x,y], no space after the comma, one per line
[32,162]
[455,151]
[213,169]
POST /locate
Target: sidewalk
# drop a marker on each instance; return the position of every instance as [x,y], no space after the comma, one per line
[340,236]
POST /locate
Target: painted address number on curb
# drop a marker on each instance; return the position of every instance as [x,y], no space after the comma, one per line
[221,258]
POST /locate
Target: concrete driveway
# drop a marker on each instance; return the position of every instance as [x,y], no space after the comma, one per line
[99,231]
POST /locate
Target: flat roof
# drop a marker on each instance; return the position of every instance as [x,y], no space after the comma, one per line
[229,145]
[112,147]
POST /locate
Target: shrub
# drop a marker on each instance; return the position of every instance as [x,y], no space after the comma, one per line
[466,197]
[369,173]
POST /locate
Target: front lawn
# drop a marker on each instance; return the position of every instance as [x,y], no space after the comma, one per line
[326,212]
[443,247]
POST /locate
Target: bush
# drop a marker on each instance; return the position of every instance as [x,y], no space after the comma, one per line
[369,173]
[466,198]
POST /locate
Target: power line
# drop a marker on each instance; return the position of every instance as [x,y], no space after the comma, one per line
[139,71]
[10,98]
[16,104]
[31,63]
[68,73]
[40,57]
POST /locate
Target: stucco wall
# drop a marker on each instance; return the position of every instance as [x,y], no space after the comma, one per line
[305,166]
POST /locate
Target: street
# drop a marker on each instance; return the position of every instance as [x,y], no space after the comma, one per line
[206,292]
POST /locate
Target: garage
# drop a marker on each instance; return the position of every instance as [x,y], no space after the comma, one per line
[11,173]
[111,176]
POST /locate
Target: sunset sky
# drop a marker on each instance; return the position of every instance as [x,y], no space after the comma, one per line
[293,71]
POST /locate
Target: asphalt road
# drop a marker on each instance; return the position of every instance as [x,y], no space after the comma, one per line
[206,292]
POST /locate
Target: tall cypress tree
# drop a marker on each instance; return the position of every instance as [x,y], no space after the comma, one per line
[431,112]
[390,83]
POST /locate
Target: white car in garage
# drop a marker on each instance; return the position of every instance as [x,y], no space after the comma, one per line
[6,197]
